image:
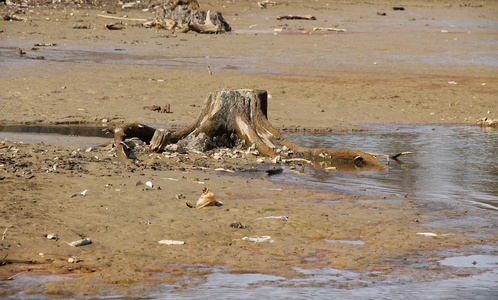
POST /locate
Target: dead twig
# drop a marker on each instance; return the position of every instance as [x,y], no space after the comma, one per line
[122,18]
[6,261]
[328,29]
[293,17]
[45,44]
[4,232]
[395,156]
[15,275]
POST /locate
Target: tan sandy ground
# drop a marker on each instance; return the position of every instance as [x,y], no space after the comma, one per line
[384,69]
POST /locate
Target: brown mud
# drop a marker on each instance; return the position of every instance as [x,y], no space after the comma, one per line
[413,66]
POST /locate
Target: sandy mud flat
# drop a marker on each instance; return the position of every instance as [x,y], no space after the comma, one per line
[433,62]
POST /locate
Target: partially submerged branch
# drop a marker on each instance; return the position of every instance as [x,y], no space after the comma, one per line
[395,156]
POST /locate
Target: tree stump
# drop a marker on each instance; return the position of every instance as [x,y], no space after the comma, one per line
[187,15]
[230,117]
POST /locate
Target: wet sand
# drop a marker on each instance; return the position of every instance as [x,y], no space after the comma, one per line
[414,66]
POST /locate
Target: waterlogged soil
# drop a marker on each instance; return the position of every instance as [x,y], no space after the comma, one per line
[419,65]
[89,193]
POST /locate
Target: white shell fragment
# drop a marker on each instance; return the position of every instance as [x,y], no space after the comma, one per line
[206,199]
[73,260]
[285,218]
[427,234]
[83,193]
[81,242]
[149,184]
[171,242]
[257,239]
[52,236]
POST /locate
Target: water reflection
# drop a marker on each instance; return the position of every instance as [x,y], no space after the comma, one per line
[56,134]
[69,130]
[460,163]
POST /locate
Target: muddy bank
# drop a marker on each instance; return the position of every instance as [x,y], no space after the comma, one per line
[88,193]
[384,69]
[411,66]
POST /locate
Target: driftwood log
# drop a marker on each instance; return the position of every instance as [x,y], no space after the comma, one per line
[186,15]
[231,117]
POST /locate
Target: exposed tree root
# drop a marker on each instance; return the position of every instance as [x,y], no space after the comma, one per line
[395,156]
[230,117]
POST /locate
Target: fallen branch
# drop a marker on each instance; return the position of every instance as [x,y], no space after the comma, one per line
[45,44]
[395,156]
[143,132]
[122,18]
[6,261]
[293,17]
[328,29]
[15,275]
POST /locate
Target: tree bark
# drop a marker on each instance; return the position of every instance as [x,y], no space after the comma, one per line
[229,117]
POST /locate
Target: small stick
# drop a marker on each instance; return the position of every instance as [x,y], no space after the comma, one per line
[122,18]
[293,17]
[15,275]
[395,156]
[405,153]
[23,272]
[4,232]
[328,29]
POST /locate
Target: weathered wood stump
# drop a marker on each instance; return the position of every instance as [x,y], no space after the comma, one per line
[186,15]
[231,117]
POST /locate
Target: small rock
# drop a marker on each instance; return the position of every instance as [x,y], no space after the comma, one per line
[237,225]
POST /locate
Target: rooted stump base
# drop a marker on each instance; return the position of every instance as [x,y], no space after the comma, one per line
[231,117]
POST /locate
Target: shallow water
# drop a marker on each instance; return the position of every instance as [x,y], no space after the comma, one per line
[56,134]
[460,163]
[456,163]
[67,54]
[460,166]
